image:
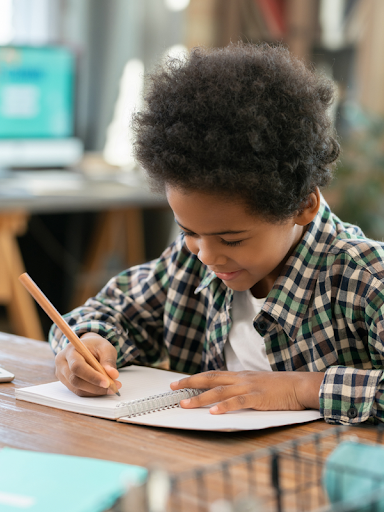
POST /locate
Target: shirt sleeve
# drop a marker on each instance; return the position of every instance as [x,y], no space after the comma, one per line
[128,311]
[353,395]
[350,395]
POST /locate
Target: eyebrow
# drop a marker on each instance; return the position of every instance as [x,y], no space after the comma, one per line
[227,232]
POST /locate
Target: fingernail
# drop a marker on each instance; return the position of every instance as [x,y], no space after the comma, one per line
[110,392]
[214,409]
[175,383]
[104,384]
[186,401]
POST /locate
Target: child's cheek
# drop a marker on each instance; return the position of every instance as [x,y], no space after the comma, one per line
[192,245]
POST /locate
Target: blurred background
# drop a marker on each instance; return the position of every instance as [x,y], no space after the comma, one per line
[98,51]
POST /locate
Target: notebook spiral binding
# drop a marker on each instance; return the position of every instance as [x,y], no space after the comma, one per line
[155,403]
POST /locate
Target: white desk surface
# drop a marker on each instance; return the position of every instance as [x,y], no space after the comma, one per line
[54,191]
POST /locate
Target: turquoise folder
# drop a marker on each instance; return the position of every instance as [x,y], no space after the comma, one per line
[44,482]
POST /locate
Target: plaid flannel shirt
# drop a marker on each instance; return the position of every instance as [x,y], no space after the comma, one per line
[324,313]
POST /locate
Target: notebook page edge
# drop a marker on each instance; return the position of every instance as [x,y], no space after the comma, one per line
[55,394]
[229,422]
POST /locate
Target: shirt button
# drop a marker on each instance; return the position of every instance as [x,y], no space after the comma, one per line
[263,326]
[352,412]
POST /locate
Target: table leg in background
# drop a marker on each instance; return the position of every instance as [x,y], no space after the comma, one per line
[21,308]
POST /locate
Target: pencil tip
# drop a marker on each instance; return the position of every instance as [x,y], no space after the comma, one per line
[117,393]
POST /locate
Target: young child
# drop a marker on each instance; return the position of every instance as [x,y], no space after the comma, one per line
[263,276]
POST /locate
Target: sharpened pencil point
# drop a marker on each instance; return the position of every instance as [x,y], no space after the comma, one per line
[117,393]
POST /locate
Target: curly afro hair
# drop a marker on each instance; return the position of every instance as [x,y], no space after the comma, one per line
[246,121]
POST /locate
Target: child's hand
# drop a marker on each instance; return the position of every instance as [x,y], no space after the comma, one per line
[78,376]
[263,391]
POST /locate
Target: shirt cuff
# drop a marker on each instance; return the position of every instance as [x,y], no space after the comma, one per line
[347,395]
[59,341]
[93,326]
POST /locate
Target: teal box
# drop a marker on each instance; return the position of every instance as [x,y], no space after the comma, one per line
[354,477]
[46,482]
[36,92]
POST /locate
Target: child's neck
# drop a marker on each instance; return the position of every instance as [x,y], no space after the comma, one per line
[260,290]
[263,287]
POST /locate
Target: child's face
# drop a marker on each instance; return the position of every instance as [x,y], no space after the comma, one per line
[244,251]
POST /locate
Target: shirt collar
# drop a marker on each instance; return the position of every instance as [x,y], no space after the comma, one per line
[292,292]
[207,279]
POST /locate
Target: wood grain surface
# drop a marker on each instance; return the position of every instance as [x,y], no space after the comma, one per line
[33,427]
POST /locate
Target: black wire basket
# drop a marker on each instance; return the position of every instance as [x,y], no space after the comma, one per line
[291,476]
[337,470]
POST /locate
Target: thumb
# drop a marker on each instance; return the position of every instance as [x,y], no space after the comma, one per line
[111,370]
[108,361]
[104,351]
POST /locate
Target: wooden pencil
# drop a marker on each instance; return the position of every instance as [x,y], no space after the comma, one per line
[55,316]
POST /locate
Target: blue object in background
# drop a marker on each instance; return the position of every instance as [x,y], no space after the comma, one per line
[352,473]
[45,482]
[36,92]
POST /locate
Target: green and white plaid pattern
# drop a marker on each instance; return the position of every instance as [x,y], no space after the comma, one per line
[324,313]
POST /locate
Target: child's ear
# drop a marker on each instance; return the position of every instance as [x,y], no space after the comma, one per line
[309,210]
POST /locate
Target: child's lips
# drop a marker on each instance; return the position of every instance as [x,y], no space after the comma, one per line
[228,276]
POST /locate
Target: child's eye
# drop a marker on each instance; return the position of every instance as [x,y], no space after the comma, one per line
[231,244]
[186,233]
[225,242]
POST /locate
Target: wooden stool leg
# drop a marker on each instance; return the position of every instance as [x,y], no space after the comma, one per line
[135,236]
[21,307]
[102,244]
[5,280]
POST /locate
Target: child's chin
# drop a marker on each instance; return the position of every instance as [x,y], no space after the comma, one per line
[238,287]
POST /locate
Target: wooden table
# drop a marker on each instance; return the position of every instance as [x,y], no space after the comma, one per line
[33,427]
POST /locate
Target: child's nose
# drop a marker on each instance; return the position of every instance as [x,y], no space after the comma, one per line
[210,256]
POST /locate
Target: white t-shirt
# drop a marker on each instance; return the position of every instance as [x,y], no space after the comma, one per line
[245,348]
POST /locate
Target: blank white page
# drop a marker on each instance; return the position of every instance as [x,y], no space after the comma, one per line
[141,382]
[137,381]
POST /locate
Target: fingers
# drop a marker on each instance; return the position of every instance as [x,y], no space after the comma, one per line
[234,404]
[225,398]
[104,352]
[112,372]
[205,380]
[231,391]
[78,376]
[222,390]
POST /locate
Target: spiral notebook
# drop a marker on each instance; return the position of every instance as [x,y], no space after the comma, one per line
[146,399]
